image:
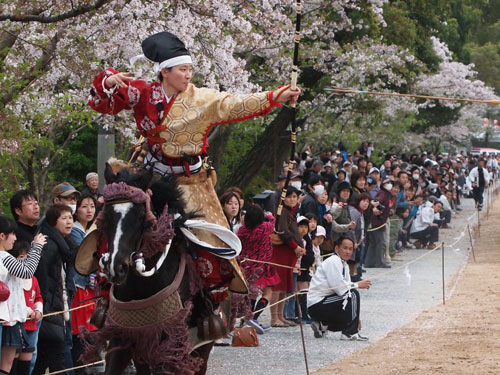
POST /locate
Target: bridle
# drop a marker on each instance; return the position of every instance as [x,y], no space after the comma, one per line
[119,193]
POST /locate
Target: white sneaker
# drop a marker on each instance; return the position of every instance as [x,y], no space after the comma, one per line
[354,337]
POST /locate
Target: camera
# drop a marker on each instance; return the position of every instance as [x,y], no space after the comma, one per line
[380,207]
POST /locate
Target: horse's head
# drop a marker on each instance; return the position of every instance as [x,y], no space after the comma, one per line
[127,212]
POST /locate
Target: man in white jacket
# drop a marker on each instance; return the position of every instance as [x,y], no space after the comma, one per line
[478,179]
[423,228]
[332,300]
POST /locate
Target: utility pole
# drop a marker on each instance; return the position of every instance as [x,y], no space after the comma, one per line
[105,150]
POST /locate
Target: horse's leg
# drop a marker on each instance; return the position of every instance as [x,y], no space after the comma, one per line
[203,352]
[116,360]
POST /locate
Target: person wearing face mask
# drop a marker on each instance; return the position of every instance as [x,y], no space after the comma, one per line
[314,189]
[65,193]
[375,252]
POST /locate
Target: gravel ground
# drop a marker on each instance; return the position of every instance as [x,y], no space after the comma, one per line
[395,299]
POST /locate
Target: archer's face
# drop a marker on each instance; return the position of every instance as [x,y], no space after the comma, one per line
[178,77]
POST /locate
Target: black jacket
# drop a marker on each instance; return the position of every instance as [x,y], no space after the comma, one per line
[25,233]
[309,205]
[56,254]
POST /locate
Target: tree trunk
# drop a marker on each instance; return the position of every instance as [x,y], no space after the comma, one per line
[218,142]
[262,152]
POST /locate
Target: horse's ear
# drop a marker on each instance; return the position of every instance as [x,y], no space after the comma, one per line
[109,175]
[144,180]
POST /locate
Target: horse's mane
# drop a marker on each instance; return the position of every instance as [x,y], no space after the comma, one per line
[165,190]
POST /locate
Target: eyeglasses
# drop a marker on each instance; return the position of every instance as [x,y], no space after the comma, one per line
[30,203]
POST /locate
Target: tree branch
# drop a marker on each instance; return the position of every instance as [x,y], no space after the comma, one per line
[40,67]
[65,143]
[35,16]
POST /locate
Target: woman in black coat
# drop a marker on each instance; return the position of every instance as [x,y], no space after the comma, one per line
[56,254]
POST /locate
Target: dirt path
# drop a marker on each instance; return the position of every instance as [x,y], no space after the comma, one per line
[461,337]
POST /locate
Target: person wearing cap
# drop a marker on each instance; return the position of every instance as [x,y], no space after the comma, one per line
[347,167]
[377,241]
[328,176]
[92,188]
[333,299]
[374,174]
[65,193]
[317,241]
[175,117]
[371,185]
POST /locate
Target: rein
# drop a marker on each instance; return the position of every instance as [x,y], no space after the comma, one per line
[120,192]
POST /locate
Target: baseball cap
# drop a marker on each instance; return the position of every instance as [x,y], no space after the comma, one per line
[301,219]
[320,231]
[374,169]
[371,181]
[64,189]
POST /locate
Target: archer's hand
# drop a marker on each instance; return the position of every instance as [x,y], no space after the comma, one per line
[121,79]
[289,95]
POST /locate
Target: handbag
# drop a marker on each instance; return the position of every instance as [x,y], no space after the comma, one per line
[245,336]
[4,292]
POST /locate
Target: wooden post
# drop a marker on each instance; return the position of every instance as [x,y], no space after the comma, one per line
[442,270]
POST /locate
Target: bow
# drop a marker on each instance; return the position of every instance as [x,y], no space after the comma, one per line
[291,163]
[293,134]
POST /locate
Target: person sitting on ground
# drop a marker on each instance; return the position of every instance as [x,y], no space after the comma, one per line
[333,300]
[423,228]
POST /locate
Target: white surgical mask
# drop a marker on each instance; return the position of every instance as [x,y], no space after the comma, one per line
[388,187]
[73,208]
[416,176]
[319,189]
[296,184]
[328,207]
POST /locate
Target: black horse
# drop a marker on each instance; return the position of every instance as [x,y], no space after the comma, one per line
[149,317]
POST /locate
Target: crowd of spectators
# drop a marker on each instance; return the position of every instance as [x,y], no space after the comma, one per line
[337,203]
[45,248]
[401,203]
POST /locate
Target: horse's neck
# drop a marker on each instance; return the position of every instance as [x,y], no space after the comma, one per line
[138,287]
